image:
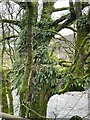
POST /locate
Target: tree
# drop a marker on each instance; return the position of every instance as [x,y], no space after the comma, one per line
[29,54]
[34,65]
[77,69]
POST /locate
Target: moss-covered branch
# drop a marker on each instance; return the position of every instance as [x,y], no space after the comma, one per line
[29,54]
[9,37]
[67,86]
[73,67]
[29,47]
[10,21]
[65,24]
[60,9]
[71,28]
[70,18]
[55,23]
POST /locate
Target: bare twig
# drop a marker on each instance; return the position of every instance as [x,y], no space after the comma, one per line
[33,111]
[9,37]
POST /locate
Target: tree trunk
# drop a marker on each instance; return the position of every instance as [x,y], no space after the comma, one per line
[4,87]
[44,96]
[39,102]
[81,34]
[4,102]
[24,92]
[78,8]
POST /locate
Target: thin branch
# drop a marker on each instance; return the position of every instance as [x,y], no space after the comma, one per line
[71,28]
[67,51]
[9,37]
[65,24]
[14,28]
[88,54]
[55,23]
[67,42]
[70,19]
[21,4]
[10,21]
[62,38]
[60,9]
[33,111]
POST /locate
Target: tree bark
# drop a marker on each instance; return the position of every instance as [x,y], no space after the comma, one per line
[4,87]
[24,92]
[81,34]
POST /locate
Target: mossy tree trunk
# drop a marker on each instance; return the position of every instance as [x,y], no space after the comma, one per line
[24,92]
[41,97]
[44,97]
[80,65]
[4,87]
[39,102]
[4,102]
[81,34]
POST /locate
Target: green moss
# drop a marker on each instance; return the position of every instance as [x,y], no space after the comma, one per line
[4,97]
